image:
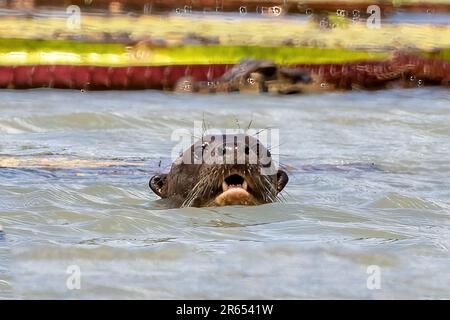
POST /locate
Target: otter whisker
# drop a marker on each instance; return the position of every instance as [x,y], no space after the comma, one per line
[281,194]
[237,122]
[202,188]
[250,123]
[262,130]
[277,146]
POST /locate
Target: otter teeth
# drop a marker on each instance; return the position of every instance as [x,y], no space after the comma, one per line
[226,186]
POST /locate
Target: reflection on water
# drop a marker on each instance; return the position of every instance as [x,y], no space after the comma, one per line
[367,187]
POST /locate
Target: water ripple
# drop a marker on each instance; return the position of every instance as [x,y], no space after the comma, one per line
[367,186]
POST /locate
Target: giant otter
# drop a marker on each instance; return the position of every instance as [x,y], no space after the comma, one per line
[220,170]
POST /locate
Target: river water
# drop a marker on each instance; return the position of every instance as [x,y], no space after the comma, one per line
[366,213]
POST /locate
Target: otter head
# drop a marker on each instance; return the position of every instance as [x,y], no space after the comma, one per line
[220,170]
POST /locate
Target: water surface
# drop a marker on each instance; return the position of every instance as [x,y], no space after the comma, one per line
[369,176]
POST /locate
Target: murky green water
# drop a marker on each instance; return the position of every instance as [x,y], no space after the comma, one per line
[341,215]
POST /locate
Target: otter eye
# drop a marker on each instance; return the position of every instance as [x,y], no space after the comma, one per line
[204,146]
[199,151]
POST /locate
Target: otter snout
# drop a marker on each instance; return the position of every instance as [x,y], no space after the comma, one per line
[219,170]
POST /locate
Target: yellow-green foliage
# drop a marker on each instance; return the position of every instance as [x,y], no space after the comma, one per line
[238,38]
[282,55]
[19,51]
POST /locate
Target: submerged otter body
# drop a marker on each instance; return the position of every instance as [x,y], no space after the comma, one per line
[220,170]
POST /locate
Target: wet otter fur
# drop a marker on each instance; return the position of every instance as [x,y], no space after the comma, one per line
[220,170]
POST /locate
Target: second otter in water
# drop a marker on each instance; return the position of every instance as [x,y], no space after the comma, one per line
[220,170]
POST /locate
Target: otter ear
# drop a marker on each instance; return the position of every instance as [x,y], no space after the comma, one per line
[282,180]
[158,185]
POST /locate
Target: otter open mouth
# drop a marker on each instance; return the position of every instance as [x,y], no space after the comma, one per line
[235,191]
[234,181]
